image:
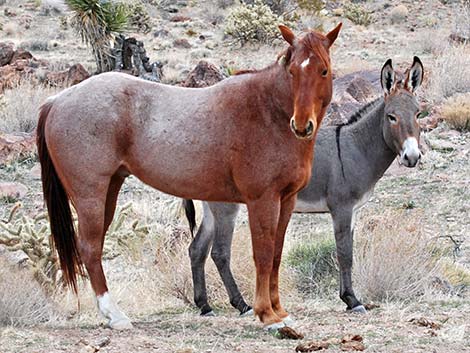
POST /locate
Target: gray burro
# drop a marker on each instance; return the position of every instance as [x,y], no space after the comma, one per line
[349,160]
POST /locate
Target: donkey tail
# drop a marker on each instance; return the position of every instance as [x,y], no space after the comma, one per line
[58,208]
[190,212]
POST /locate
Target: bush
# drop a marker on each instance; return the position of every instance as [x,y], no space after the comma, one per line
[19,107]
[22,300]
[253,23]
[394,259]
[357,14]
[456,112]
[451,73]
[314,265]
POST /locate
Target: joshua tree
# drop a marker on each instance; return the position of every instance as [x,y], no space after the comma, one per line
[97,21]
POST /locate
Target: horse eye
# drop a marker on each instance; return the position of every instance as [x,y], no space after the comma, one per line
[324,72]
[392,118]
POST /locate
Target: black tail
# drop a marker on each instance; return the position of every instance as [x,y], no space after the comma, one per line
[58,208]
[190,212]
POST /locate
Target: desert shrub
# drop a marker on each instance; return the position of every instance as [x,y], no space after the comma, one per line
[451,74]
[314,265]
[394,258]
[35,45]
[19,107]
[22,300]
[138,17]
[358,14]
[253,23]
[456,112]
[462,20]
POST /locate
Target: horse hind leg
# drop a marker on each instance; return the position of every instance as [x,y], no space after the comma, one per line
[95,212]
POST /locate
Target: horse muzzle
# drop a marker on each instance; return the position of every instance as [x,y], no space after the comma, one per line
[307,133]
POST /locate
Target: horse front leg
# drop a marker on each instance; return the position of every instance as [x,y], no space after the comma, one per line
[343,221]
[287,207]
[263,215]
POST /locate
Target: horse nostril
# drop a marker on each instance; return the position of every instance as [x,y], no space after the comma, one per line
[406,157]
[309,128]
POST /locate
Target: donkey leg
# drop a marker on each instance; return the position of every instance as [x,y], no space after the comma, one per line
[287,207]
[344,231]
[198,252]
[91,219]
[264,217]
[225,216]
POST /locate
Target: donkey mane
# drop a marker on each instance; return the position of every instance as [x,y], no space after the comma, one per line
[355,117]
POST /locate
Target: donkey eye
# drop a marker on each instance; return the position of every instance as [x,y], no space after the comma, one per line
[392,118]
[324,72]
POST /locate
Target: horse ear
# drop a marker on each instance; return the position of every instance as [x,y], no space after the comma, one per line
[333,34]
[415,75]
[387,76]
[287,34]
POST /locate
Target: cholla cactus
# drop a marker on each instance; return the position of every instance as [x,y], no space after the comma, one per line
[31,235]
[253,23]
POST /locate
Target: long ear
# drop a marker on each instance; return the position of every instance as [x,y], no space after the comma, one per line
[287,34]
[415,75]
[387,76]
[333,34]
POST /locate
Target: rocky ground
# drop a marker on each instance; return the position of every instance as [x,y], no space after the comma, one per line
[436,194]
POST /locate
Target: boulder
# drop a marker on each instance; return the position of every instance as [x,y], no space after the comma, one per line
[21,54]
[6,53]
[12,190]
[76,74]
[14,146]
[203,75]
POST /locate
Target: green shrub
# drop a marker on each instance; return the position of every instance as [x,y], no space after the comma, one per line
[315,266]
[253,23]
[357,14]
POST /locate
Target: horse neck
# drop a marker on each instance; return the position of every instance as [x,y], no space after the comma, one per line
[272,85]
[368,136]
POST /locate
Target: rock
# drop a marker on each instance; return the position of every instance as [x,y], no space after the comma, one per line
[180,18]
[312,346]
[16,146]
[399,14]
[6,53]
[76,74]
[13,190]
[203,75]
[182,43]
[21,54]
[350,93]
[35,172]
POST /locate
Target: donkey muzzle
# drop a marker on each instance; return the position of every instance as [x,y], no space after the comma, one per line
[307,133]
[410,153]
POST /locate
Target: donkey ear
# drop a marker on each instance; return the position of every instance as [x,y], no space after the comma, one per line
[287,34]
[415,75]
[333,34]
[387,76]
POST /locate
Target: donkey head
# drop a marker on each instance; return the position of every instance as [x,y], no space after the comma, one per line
[307,61]
[401,129]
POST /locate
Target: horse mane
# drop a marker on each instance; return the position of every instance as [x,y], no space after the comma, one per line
[361,112]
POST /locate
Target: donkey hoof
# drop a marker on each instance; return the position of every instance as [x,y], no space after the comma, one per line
[209,313]
[121,324]
[274,328]
[289,321]
[360,309]
[249,312]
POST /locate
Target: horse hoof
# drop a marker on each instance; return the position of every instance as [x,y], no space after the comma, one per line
[359,309]
[288,320]
[274,328]
[209,313]
[249,312]
[121,324]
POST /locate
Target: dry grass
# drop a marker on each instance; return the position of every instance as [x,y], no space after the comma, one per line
[395,258]
[456,112]
[19,107]
[451,73]
[22,301]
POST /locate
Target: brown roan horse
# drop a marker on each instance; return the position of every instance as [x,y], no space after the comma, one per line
[230,142]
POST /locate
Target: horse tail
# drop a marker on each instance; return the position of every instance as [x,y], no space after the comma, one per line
[190,212]
[58,207]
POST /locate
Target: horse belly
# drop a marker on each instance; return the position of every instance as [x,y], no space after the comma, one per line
[311,206]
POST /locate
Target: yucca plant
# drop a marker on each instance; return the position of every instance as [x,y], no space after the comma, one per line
[97,22]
